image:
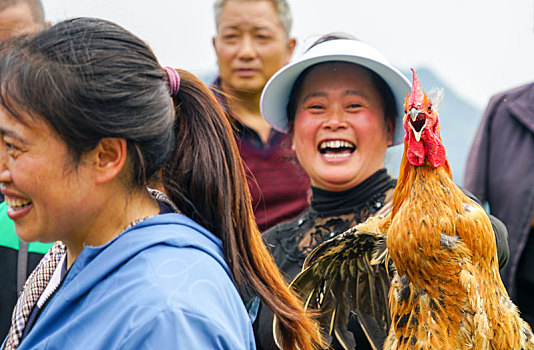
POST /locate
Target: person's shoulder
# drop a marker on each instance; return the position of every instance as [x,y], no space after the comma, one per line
[187,279]
[517,91]
[171,247]
[208,314]
[189,264]
[176,230]
[513,94]
[283,229]
[271,235]
[514,103]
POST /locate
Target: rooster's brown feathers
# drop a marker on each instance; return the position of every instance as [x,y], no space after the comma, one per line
[446,291]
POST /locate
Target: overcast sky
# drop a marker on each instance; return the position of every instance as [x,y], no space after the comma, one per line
[478,47]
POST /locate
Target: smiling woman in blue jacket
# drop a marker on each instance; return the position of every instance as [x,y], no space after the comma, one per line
[86,124]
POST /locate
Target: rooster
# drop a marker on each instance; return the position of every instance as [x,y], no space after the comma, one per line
[434,255]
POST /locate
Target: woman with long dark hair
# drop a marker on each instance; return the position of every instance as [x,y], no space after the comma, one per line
[86,124]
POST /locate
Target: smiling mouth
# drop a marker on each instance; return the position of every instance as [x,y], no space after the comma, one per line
[336,148]
[17,204]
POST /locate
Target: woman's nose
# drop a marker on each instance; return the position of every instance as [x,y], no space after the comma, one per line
[335,120]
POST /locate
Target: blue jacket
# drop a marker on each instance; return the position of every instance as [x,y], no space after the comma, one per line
[163,284]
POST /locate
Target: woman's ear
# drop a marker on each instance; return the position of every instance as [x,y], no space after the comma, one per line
[109,157]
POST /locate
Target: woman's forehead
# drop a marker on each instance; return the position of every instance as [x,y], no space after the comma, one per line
[347,78]
[21,123]
[11,125]
[12,108]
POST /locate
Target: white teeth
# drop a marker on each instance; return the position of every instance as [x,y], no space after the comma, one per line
[336,144]
[336,155]
[17,203]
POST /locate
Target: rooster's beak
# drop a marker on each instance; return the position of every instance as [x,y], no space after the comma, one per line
[414,112]
[417,135]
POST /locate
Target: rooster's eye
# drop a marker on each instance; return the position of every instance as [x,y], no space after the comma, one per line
[429,109]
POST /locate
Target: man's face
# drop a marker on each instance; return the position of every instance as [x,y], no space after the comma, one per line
[17,20]
[251,44]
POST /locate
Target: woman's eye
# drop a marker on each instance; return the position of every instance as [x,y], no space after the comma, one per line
[354,105]
[10,148]
[315,107]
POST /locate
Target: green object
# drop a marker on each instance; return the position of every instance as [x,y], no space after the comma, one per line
[8,237]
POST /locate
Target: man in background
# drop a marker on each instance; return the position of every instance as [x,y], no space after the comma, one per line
[20,17]
[17,258]
[252,42]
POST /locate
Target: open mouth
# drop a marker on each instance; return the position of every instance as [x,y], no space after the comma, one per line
[418,125]
[336,148]
[17,204]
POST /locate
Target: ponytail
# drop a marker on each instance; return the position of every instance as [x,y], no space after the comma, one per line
[206,180]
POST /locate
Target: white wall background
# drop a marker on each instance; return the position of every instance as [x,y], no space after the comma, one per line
[478,47]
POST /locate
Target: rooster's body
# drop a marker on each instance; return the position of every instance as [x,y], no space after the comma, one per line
[446,292]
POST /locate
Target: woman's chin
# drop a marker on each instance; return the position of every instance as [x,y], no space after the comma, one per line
[336,183]
[26,234]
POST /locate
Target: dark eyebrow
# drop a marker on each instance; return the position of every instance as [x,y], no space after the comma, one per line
[13,135]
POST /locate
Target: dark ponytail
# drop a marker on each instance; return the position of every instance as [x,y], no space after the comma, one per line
[206,180]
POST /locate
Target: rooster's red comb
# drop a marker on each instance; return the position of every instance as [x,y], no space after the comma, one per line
[416,95]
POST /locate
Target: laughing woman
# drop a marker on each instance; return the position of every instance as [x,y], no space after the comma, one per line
[88,119]
[342,104]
